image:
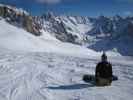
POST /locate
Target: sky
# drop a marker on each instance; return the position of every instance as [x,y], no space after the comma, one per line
[75,7]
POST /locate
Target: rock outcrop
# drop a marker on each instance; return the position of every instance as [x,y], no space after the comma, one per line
[20,18]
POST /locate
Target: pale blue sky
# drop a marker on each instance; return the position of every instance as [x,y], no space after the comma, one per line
[76,7]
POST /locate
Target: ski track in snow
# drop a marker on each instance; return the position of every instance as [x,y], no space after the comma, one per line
[48,76]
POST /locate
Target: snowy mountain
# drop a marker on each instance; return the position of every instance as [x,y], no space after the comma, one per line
[66,28]
[100,34]
[17,39]
[38,63]
[80,27]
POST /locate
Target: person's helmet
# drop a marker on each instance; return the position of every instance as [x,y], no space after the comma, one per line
[104,57]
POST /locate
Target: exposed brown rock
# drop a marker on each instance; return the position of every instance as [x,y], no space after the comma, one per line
[22,19]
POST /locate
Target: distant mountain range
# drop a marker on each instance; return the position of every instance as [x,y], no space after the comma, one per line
[86,31]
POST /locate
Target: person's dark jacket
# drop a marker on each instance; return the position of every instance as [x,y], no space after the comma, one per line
[104,70]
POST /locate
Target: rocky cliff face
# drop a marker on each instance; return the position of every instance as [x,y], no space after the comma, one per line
[20,18]
[55,26]
[76,29]
[113,26]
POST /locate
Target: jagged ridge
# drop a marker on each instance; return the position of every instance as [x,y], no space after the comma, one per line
[20,18]
[86,31]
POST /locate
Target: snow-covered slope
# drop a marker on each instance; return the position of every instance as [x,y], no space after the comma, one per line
[17,39]
[45,68]
[47,76]
[74,27]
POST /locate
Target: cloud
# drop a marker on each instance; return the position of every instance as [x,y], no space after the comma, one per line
[49,1]
[53,1]
[128,13]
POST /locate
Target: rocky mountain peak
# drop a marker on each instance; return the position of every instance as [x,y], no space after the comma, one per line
[20,18]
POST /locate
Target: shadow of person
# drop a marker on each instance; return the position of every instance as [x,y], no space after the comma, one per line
[71,87]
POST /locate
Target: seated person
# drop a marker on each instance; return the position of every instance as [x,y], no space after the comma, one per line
[103,72]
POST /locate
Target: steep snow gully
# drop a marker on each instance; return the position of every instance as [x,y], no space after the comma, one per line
[48,76]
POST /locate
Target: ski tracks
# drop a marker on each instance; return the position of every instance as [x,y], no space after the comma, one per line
[41,76]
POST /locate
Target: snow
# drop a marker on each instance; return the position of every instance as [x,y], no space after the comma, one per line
[49,76]
[47,36]
[44,68]
[16,39]
[77,29]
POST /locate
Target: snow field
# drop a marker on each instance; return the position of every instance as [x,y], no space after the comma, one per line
[48,76]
